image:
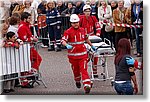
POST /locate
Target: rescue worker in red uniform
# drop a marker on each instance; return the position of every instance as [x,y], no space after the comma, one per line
[89,23]
[43,30]
[25,35]
[74,39]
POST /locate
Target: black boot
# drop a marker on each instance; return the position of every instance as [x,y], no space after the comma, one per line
[58,48]
[78,84]
[51,48]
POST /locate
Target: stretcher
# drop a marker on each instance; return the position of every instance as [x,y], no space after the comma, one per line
[103,51]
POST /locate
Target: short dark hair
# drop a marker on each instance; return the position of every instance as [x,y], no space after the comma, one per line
[10,35]
[25,15]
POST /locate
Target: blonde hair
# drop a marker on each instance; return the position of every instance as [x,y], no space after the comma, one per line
[50,1]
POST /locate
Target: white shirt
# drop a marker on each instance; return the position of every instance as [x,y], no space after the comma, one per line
[14,29]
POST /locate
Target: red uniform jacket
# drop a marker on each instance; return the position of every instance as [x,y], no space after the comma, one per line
[89,24]
[76,38]
[24,32]
[42,21]
[25,35]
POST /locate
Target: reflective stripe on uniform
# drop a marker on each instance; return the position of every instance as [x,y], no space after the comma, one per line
[76,43]
[90,33]
[51,17]
[87,85]
[86,80]
[98,29]
[77,54]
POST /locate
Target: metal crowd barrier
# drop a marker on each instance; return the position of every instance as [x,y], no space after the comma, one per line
[65,24]
[15,61]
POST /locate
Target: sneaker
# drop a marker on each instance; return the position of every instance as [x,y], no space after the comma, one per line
[78,84]
[87,89]
[44,46]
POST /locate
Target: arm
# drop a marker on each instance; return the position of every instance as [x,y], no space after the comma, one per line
[89,42]
[64,12]
[133,78]
[25,35]
[64,41]
[116,19]
[97,26]
[100,16]
[130,62]
[128,16]
[108,15]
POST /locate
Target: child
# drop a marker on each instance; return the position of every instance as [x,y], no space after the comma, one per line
[11,41]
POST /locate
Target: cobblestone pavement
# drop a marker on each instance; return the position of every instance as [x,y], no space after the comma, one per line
[58,76]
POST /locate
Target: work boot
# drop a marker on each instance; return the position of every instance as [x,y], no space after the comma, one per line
[87,89]
[51,48]
[58,48]
[78,84]
[95,76]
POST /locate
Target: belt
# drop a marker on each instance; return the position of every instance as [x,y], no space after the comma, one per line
[76,43]
[77,54]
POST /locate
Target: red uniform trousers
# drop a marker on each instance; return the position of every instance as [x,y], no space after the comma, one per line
[95,65]
[35,59]
[35,63]
[79,67]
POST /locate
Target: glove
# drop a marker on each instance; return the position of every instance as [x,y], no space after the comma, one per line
[93,48]
[130,61]
[69,47]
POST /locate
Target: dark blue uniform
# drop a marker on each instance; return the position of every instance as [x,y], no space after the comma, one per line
[53,21]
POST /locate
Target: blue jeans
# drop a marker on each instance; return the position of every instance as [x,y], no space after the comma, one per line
[125,88]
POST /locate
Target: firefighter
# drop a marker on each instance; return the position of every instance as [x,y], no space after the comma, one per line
[74,39]
[25,35]
[90,23]
[54,26]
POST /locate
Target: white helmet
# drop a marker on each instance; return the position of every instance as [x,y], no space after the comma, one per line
[87,7]
[74,18]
